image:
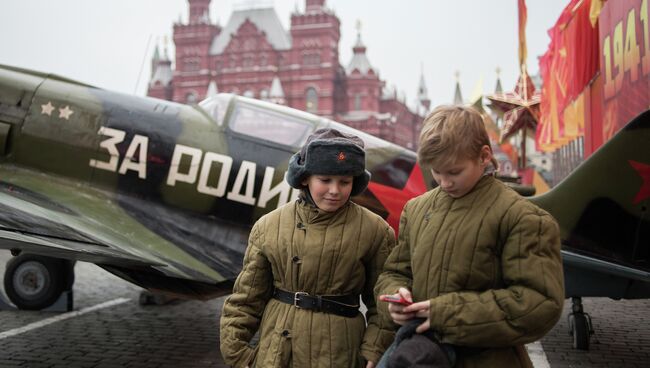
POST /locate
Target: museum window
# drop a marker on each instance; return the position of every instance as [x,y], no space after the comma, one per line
[191,65]
[311,59]
[311,100]
[357,102]
[248,61]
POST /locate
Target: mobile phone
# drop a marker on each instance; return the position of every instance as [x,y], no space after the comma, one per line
[394,299]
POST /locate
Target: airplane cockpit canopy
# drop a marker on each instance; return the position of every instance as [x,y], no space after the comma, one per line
[275,123]
[270,125]
[216,106]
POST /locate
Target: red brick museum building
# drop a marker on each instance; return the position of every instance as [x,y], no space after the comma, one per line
[253,55]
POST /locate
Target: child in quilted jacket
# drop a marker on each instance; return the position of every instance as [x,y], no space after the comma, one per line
[480,263]
[306,265]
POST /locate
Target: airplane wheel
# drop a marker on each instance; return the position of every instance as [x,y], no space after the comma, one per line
[580,330]
[35,282]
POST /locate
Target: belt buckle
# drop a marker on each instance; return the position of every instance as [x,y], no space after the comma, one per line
[296,298]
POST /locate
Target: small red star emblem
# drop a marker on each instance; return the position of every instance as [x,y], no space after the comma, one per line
[341,156]
[644,172]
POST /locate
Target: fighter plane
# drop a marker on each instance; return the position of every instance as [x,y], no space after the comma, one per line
[158,193]
[164,195]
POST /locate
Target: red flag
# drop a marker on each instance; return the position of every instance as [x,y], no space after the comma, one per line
[523,51]
[566,69]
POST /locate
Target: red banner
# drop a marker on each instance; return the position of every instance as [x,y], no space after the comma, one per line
[625,62]
[566,69]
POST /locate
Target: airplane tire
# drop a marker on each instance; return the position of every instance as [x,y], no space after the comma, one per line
[35,282]
[580,331]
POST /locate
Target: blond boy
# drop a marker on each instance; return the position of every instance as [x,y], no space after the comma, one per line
[481,264]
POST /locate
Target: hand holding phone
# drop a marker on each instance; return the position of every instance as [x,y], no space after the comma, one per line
[394,299]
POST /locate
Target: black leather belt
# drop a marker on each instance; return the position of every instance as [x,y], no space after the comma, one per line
[342,305]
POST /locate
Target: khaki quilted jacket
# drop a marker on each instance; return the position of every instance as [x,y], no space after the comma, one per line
[301,248]
[490,264]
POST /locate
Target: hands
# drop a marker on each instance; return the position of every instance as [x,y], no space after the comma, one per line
[396,310]
[420,310]
[370,364]
[400,314]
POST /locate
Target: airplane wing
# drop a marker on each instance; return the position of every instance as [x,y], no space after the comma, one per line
[47,215]
[590,276]
[602,212]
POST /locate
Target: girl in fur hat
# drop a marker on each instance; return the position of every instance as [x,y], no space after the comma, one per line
[306,265]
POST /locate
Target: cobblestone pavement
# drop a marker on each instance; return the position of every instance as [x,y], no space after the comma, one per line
[185,334]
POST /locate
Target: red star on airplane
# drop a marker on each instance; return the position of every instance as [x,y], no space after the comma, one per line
[644,172]
[394,199]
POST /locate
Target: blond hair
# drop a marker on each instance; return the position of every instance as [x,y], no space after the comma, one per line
[451,133]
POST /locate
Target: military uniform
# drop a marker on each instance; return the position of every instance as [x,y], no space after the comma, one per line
[490,264]
[301,248]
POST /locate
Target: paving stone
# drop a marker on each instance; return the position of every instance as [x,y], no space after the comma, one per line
[186,333]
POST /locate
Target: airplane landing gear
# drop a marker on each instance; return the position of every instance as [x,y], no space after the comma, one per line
[34,282]
[580,326]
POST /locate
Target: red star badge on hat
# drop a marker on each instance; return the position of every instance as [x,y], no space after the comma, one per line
[394,199]
[341,156]
[644,172]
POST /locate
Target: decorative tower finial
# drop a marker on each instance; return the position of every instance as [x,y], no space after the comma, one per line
[359,59]
[165,54]
[359,43]
[498,88]
[458,97]
[156,57]
[423,94]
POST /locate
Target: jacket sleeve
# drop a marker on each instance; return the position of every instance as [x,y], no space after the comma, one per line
[378,335]
[397,269]
[531,301]
[242,311]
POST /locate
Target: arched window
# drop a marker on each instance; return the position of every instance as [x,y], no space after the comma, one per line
[312,100]
[249,93]
[264,94]
[248,61]
[357,102]
[191,65]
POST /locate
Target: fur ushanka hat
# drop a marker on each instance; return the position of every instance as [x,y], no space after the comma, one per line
[330,152]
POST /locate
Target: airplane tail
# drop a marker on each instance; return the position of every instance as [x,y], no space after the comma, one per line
[602,206]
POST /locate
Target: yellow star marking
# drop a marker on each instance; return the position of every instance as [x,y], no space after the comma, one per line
[46,109]
[65,112]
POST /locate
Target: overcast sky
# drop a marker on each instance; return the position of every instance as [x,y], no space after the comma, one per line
[110,43]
